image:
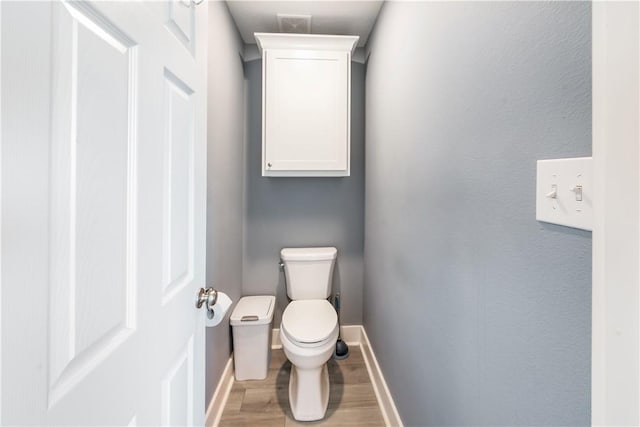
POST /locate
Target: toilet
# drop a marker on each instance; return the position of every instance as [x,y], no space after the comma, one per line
[309,328]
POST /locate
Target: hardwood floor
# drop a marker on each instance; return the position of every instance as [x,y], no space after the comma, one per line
[352,401]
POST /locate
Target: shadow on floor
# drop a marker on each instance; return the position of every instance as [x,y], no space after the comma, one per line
[336,380]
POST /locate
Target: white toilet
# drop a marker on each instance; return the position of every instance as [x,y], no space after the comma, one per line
[309,328]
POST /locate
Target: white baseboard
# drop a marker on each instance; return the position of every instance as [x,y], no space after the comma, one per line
[276,344]
[219,399]
[387,405]
[353,335]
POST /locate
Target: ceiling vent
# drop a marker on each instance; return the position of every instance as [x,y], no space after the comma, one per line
[294,23]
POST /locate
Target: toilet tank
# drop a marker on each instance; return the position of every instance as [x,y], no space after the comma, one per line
[308,271]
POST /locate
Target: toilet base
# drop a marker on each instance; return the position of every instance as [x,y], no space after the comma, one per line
[309,393]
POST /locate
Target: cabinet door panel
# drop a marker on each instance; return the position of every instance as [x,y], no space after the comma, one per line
[306,111]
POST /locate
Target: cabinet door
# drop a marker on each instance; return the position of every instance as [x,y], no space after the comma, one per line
[306,113]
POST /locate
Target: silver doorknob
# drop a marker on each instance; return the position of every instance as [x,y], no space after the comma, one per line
[208,297]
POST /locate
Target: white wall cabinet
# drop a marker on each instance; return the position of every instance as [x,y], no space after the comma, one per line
[306,104]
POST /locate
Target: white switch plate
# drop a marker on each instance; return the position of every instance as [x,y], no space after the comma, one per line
[569,176]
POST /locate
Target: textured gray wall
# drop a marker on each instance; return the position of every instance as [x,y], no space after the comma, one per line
[225,133]
[477,313]
[284,212]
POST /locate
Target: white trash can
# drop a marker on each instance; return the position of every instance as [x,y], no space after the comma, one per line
[251,322]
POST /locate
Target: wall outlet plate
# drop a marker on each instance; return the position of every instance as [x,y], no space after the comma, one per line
[564,192]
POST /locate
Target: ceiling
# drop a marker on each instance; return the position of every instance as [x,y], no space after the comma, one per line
[327,17]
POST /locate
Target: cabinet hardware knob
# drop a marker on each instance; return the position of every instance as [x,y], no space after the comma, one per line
[269,164]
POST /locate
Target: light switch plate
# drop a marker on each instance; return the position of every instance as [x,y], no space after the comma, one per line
[572,180]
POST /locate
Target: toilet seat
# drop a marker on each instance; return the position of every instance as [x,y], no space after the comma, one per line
[309,323]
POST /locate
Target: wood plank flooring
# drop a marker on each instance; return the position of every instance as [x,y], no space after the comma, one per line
[352,401]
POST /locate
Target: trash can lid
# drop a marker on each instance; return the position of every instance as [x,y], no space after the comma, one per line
[255,310]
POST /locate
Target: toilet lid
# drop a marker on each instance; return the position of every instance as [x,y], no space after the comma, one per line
[309,321]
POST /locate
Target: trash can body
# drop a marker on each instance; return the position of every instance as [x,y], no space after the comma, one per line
[251,322]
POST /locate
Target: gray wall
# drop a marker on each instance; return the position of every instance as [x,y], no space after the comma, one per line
[225,132]
[289,212]
[477,313]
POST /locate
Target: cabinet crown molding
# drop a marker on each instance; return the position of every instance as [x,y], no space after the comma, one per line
[306,42]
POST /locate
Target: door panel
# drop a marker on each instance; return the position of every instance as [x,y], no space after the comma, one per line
[177,390]
[178,185]
[93,185]
[304,92]
[181,22]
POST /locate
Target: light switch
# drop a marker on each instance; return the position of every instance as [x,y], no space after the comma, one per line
[564,192]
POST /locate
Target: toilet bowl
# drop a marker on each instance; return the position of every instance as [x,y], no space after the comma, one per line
[308,332]
[309,329]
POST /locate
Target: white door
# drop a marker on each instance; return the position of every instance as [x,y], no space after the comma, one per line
[102,212]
